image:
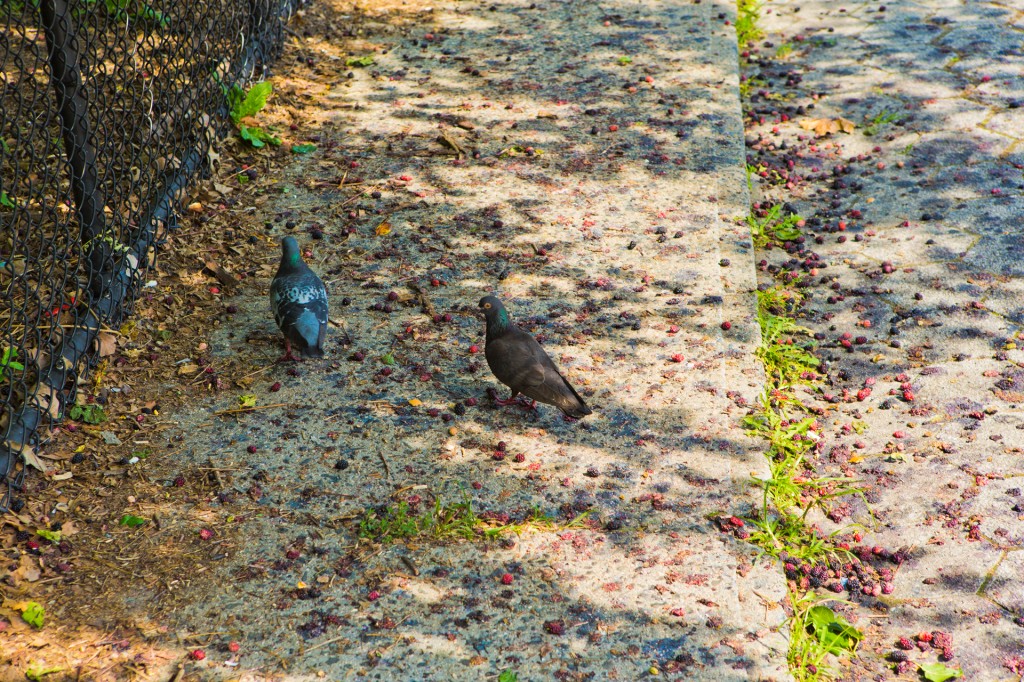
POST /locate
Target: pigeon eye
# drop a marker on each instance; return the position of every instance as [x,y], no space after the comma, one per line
[487,305]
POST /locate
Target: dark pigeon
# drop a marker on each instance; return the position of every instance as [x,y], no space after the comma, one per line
[299,302]
[520,363]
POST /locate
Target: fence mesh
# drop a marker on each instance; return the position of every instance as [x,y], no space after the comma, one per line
[107,111]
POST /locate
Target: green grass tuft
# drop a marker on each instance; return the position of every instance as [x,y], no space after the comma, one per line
[748,14]
[773,227]
[453,521]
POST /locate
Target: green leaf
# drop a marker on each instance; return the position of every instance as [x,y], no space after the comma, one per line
[359,61]
[90,414]
[38,673]
[252,135]
[154,16]
[9,359]
[254,101]
[938,672]
[131,521]
[257,137]
[834,632]
[6,200]
[508,676]
[389,359]
[247,400]
[303,148]
[787,233]
[34,614]
[51,535]
[235,96]
[625,61]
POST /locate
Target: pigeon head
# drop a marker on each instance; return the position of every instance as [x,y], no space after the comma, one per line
[290,253]
[494,312]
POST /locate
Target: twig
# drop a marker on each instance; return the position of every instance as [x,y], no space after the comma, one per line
[238,410]
[256,371]
[387,468]
[411,566]
[446,139]
[326,642]
[421,292]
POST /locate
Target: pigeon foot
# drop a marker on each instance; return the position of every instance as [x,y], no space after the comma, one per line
[515,399]
[288,356]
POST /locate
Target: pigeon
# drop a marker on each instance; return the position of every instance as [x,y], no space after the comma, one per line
[299,302]
[520,363]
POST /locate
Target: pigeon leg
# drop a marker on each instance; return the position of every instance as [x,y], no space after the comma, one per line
[507,401]
[288,357]
[493,394]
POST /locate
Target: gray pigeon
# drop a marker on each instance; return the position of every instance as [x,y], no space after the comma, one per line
[520,363]
[299,302]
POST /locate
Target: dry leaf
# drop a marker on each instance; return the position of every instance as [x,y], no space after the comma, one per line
[46,398]
[63,477]
[27,570]
[28,453]
[415,402]
[223,275]
[383,229]
[827,126]
[188,368]
[191,278]
[106,344]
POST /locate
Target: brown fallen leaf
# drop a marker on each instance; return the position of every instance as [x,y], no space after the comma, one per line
[28,453]
[27,570]
[383,229]
[47,399]
[827,126]
[106,344]
[223,275]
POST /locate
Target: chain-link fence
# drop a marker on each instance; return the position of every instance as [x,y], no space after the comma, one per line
[107,111]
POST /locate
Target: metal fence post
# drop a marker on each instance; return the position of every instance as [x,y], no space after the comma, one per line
[65,74]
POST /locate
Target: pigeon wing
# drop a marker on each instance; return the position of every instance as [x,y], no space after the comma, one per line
[520,363]
[300,310]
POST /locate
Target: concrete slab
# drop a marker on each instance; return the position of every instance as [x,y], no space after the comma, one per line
[601,172]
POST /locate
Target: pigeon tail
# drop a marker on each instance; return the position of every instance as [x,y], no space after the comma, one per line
[573,406]
[307,327]
[577,412]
